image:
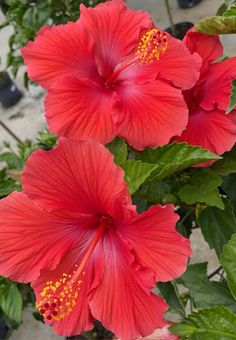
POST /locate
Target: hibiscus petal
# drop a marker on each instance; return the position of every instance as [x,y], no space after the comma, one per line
[122,301]
[80,109]
[58,51]
[178,65]
[149,114]
[77,176]
[31,238]
[115,29]
[156,243]
[208,47]
[80,318]
[218,130]
[215,87]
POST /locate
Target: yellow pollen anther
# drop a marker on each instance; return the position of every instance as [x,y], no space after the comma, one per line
[152,44]
[58,298]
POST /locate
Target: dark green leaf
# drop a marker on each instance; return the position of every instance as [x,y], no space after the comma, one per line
[157,192]
[217,225]
[226,165]
[8,185]
[136,173]
[229,187]
[232,98]
[206,293]
[228,262]
[168,292]
[175,157]
[11,302]
[216,323]
[203,188]
[118,148]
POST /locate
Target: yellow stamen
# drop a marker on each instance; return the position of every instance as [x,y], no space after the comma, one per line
[152,44]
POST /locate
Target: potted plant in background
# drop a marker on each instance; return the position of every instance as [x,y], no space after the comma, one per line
[9,93]
[178,30]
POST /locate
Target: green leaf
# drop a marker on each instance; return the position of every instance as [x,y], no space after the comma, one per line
[217,25]
[232,98]
[175,157]
[11,302]
[230,12]
[118,148]
[229,187]
[136,173]
[228,262]
[227,164]
[204,292]
[217,225]
[12,160]
[168,291]
[203,188]
[157,192]
[216,323]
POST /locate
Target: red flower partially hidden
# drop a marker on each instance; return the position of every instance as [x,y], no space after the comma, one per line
[74,234]
[113,73]
[209,126]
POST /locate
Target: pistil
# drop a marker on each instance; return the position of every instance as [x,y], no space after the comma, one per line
[58,298]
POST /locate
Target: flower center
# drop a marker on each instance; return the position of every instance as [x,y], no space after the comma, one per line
[58,298]
[152,44]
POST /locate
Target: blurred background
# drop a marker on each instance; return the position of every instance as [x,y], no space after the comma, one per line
[26,119]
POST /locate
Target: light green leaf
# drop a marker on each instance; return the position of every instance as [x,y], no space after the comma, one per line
[204,292]
[136,173]
[217,25]
[226,165]
[11,302]
[228,259]
[216,323]
[203,188]
[232,98]
[175,157]
[118,148]
[217,225]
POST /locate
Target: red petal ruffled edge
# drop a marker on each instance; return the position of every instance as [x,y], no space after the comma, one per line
[58,51]
[122,301]
[115,29]
[214,89]
[156,242]
[218,130]
[208,47]
[31,239]
[178,65]
[78,176]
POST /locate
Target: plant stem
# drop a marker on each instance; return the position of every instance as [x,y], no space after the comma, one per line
[215,272]
[17,139]
[170,17]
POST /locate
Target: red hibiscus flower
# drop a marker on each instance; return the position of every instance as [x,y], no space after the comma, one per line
[75,236]
[209,126]
[113,73]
